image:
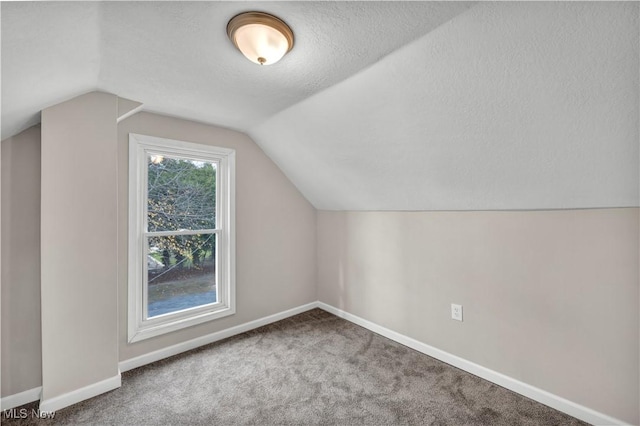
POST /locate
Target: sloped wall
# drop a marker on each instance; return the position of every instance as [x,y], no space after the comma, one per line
[275,231]
[275,245]
[510,105]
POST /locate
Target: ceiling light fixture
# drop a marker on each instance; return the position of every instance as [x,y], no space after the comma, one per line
[262,38]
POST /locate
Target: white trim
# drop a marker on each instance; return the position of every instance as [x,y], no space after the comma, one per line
[21,398]
[554,401]
[130,113]
[140,327]
[154,356]
[561,404]
[78,395]
[131,107]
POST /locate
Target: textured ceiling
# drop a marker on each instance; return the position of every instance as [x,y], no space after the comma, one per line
[175,57]
[381,105]
[50,53]
[528,105]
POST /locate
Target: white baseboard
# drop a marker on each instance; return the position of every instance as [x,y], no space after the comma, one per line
[561,404]
[73,397]
[87,392]
[18,399]
[154,356]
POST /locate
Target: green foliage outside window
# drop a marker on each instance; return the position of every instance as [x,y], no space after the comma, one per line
[181,195]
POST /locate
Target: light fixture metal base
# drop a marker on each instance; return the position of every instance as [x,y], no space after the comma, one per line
[259,18]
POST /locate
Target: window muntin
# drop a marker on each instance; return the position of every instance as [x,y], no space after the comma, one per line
[181,256]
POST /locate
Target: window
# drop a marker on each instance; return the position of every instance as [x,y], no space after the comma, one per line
[181,235]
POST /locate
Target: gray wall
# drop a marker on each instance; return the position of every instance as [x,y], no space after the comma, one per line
[78,244]
[21,337]
[275,231]
[550,297]
[275,246]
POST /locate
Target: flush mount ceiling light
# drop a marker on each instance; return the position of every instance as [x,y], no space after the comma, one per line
[262,38]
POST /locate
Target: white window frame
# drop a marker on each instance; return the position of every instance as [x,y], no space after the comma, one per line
[140,146]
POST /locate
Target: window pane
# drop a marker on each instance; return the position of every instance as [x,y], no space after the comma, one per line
[181,194]
[181,273]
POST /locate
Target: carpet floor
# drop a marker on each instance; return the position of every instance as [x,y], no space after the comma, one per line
[313,368]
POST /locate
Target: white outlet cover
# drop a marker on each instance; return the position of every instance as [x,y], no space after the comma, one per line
[456,312]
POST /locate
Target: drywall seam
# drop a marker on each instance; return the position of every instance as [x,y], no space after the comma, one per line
[554,401]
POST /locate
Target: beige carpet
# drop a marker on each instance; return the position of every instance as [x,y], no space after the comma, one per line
[313,368]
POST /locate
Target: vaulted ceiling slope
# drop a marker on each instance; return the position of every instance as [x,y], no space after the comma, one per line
[175,56]
[50,53]
[511,105]
[381,105]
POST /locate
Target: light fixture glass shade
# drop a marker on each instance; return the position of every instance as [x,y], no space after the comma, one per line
[262,38]
[261,44]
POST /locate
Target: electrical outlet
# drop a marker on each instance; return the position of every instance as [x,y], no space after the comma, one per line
[456,312]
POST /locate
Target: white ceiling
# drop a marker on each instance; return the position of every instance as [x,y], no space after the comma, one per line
[380,105]
[527,105]
[175,57]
